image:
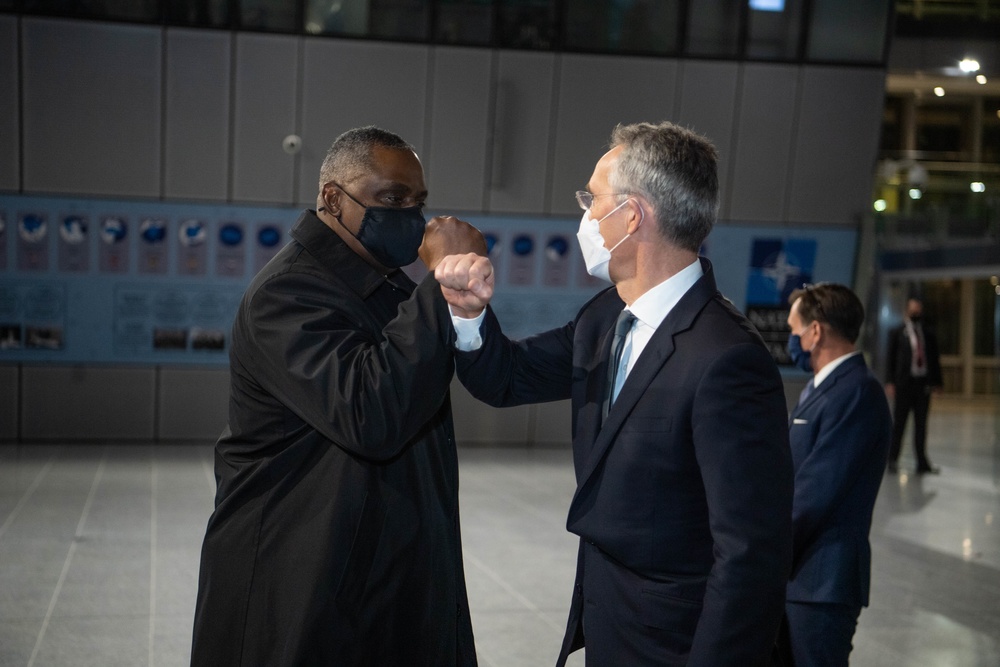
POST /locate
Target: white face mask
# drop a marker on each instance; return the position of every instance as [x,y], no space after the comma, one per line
[595,255]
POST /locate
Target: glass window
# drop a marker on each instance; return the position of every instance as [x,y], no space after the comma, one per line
[941,310]
[387,19]
[713,27]
[527,24]
[464,22]
[986,309]
[626,26]
[273,15]
[892,125]
[774,30]
[991,130]
[126,10]
[848,31]
[944,129]
[203,13]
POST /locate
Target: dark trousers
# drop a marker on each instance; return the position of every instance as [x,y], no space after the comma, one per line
[915,397]
[816,634]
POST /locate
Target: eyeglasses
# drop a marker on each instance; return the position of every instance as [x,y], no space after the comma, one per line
[810,290]
[586,199]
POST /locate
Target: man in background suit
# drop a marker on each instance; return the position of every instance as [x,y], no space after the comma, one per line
[914,373]
[839,434]
[680,441]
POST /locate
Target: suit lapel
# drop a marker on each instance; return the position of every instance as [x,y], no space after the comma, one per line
[827,384]
[649,364]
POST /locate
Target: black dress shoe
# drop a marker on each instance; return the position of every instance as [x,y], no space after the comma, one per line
[928,470]
[893,467]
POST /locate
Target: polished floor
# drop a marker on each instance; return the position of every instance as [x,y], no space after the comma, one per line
[99,552]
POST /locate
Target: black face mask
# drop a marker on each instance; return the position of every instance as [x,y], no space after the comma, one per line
[391,235]
[916,319]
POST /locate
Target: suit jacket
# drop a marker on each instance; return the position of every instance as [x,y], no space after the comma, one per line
[686,487]
[900,355]
[335,537]
[840,443]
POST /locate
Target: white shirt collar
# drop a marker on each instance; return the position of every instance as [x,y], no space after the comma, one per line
[653,307]
[824,372]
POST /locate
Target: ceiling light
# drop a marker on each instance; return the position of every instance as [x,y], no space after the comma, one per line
[977,186]
[879,205]
[969,65]
[981,79]
[939,91]
[915,193]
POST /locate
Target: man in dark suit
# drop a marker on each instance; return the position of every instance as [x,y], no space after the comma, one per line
[335,537]
[839,434]
[914,373]
[680,441]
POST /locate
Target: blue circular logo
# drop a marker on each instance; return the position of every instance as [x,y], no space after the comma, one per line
[32,228]
[523,245]
[192,233]
[153,230]
[556,248]
[491,242]
[73,229]
[269,236]
[231,234]
[113,230]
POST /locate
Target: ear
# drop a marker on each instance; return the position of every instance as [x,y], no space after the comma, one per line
[636,215]
[330,196]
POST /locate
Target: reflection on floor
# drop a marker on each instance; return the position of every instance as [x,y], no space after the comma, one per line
[99,553]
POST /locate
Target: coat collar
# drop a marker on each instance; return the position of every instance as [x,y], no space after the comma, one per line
[653,357]
[848,366]
[330,250]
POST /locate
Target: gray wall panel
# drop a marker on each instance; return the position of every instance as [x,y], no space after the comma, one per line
[266,99]
[836,144]
[478,423]
[91,108]
[455,155]
[758,185]
[554,423]
[349,84]
[707,104]
[87,403]
[196,137]
[595,94]
[194,403]
[520,160]
[10,118]
[10,399]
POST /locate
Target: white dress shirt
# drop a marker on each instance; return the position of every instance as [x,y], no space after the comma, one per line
[824,372]
[650,310]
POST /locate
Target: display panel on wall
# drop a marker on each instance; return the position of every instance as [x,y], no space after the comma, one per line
[91,281]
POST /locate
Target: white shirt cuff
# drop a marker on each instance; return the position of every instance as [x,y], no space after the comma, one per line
[467,332]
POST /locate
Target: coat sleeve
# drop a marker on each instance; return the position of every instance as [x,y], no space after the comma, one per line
[741,443]
[312,346]
[505,373]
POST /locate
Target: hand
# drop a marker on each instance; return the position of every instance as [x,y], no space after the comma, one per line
[466,283]
[890,390]
[447,235]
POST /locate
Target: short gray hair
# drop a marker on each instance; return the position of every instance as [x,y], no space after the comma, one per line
[351,154]
[675,170]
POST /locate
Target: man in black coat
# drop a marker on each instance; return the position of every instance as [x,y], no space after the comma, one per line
[680,440]
[335,537]
[914,373]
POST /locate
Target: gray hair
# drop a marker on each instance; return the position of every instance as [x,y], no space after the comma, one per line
[351,154]
[675,170]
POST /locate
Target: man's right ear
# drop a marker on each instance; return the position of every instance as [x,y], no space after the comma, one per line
[330,199]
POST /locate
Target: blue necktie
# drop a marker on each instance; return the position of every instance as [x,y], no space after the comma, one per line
[805,392]
[622,327]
